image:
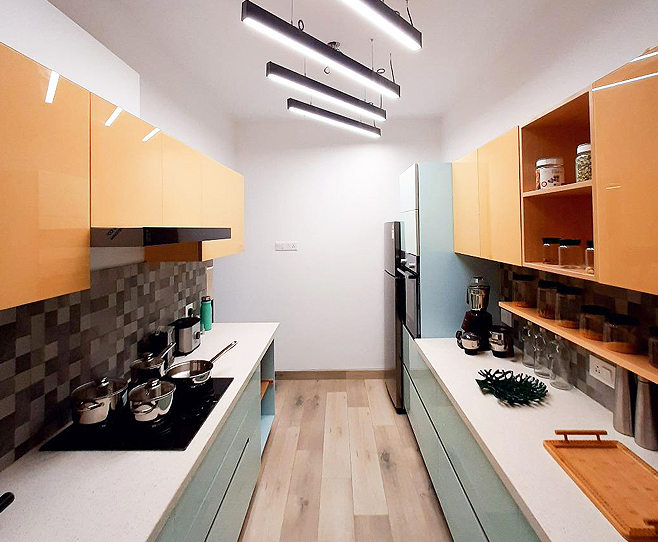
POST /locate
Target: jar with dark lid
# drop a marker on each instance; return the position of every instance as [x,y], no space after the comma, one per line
[589,257]
[567,311]
[570,254]
[653,346]
[550,248]
[592,320]
[547,298]
[523,293]
[620,333]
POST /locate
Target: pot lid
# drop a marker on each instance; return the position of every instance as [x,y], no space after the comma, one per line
[99,389]
[147,361]
[151,390]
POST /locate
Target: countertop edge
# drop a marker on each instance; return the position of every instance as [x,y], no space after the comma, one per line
[534,523]
[181,489]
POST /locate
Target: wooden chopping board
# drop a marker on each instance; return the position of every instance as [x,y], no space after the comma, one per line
[620,484]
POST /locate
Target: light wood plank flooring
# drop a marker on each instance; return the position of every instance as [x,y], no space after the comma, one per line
[342,466]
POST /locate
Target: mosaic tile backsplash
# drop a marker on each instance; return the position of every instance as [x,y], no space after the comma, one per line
[641,305]
[50,347]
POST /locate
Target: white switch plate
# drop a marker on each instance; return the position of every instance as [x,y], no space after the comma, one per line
[506,317]
[285,246]
[188,307]
[602,370]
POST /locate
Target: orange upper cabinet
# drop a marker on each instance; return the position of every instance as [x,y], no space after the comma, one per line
[181,184]
[625,132]
[499,188]
[465,205]
[126,170]
[44,174]
[223,206]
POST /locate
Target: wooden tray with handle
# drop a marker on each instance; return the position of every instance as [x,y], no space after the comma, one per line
[621,485]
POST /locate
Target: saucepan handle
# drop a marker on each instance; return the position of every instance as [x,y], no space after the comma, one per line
[5,500]
[223,351]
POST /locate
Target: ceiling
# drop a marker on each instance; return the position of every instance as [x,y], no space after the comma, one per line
[471,48]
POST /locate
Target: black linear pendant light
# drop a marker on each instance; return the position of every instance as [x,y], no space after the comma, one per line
[322,115]
[389,21]
[291,36]
[314,88]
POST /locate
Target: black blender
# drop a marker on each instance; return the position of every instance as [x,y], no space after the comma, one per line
[477,321]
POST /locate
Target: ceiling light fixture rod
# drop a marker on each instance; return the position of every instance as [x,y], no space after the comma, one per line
[389,21]
[287,34]
[322,115]
[314,88]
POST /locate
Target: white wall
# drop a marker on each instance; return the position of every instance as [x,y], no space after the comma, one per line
[331,191]
[42,32]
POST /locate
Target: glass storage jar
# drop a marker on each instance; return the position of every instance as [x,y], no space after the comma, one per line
[523,291]
[589,257]
[570,254]
[567,310]
[550,248]
[545,352]
[592,320]
[549,173]
[620,333]
[584,163]
[529,336]
[653,346]
[547,298]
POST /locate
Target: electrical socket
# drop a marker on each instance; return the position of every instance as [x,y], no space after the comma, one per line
[188,307]
[287,247]
[602,371]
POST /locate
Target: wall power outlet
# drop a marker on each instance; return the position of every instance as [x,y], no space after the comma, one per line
[602,370]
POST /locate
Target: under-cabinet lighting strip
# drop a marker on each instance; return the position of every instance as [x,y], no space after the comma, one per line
[389,21]
[632,80]
[52,87]
[311,111]
[314,88]
[291,36]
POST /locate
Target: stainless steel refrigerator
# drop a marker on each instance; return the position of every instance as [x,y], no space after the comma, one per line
[394,299]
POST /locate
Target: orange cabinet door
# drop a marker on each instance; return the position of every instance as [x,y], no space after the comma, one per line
[499,188]
[223,206]
[181,184]
[44,175]
[465,206]
[126,172]
[625,132]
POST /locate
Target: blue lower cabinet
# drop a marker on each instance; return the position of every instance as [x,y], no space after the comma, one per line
[210,509]
[461,518]
[496,511]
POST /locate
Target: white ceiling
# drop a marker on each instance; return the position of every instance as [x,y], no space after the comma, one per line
[470,48]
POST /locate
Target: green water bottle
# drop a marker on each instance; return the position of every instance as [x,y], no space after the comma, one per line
[206,313]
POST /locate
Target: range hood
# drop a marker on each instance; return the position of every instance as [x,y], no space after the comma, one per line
[150,237]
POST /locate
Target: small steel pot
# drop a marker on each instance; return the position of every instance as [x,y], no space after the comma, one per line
[191,373]
[151,401]
[150,366]
[99,401]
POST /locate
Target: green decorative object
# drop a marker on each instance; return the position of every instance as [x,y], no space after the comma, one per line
[513,389]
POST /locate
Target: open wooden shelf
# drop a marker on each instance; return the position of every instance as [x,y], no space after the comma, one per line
[584,188]
[636,363]
[575,273]
[263,387]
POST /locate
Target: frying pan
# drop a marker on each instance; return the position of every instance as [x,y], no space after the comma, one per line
[195,372]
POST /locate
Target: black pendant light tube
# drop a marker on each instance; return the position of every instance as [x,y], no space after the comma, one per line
[319,90]
[328,117]
[287,34]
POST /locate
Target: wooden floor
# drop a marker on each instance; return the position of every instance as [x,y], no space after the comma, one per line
[341,465]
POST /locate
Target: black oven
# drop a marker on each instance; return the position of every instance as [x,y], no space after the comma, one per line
[409,270]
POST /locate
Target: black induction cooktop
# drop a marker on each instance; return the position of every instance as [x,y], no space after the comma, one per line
[174,433]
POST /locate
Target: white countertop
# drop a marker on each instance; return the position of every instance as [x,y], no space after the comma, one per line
[121,496]
[512,439]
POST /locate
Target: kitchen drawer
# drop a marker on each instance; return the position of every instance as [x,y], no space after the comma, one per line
[190,516]
[459,514]
[228,522]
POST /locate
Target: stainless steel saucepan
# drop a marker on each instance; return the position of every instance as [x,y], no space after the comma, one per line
[151,402]
[195,372]
[99,401]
